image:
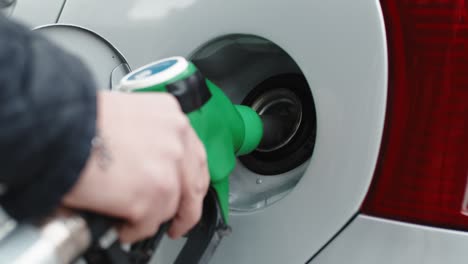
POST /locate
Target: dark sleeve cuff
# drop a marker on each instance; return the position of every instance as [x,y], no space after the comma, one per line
[50,116]
[41,196]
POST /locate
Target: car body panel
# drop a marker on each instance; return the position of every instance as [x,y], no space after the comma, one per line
[369,240]
[36,13]
[341,48]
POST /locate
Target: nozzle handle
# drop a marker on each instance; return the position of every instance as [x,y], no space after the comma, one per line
[143,250]
[106,247]
[191,92]
[98,225]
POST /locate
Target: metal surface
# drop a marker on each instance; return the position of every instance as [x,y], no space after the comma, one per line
[369,240]
[281,112]
[7,225]
[340,47]
[22,242]
[36,13]
[60,240]
[117,74]
[68,235]
[106,63]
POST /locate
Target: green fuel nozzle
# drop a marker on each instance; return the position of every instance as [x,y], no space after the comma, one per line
[226,130]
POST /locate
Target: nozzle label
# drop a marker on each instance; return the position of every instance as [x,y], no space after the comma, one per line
[153,74]
[152,70]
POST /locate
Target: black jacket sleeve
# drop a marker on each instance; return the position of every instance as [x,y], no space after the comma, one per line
[47,121]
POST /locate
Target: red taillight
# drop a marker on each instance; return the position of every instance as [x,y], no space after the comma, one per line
[421,176]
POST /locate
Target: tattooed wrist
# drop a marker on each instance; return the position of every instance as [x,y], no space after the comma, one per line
[101,151]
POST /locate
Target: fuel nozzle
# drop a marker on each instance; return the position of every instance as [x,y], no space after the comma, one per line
[226,130]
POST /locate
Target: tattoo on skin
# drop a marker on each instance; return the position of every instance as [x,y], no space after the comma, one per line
[101,152]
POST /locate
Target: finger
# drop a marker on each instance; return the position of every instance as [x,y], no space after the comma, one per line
[204,178]
[194,186]
[133,232]
[189,216]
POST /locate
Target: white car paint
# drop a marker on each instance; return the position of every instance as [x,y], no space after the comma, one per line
[36,13]
[369,240]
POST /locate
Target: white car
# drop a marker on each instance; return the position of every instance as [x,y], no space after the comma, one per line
[376,169]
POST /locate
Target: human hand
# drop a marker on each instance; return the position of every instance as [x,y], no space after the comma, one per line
[147,167]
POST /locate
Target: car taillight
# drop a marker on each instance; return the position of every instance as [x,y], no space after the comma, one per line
[421,175]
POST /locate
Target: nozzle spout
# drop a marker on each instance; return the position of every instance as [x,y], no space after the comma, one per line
[253,129]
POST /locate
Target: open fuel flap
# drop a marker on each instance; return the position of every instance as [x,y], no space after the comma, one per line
[105,62]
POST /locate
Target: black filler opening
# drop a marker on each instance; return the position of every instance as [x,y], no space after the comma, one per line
[300,146]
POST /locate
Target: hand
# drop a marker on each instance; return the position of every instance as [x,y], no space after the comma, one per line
[148,168]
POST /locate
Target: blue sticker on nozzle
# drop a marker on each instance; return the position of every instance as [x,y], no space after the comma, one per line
[152,70]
